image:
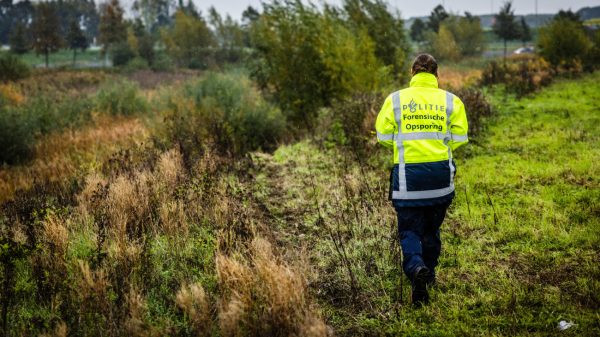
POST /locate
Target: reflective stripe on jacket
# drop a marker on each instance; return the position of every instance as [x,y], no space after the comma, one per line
[423,125]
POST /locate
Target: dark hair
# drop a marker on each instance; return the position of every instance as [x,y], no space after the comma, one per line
[424,63]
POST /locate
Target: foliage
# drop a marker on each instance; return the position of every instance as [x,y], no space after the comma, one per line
[13,14]
[521,76]
[478,109]
[563,42]
[45,30]
[120,99]
[145,42]
[16,138]
[12,68]
[457,36]
[385,29]
[76,39]
[505,26]
[154,14]
[229,38]
[136,63]
[162,62]
[223,112]
[417,30]
[437,16]
[306,59]
[188,41]
[467,33]
[19,39]
[443,44]
[112,27]
[524,31]
[121,53]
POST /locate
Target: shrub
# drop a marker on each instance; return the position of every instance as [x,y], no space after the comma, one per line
[477,107]
[120,98]
[162,62]
[12,68]
[443,44]
[136,63]
[17,136]
[187,42]
[563,42]
[223,111]
[311,58]
[121,54]
[521,76]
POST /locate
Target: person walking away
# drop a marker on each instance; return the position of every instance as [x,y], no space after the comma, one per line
[423,125]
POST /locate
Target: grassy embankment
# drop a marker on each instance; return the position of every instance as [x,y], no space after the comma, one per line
[521,242]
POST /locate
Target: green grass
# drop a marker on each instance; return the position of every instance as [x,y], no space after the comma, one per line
[63,57]
[521,241]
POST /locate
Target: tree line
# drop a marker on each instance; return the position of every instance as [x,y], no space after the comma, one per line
[176,27]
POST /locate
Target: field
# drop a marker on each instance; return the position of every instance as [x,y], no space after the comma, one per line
[64,57]
[118,224]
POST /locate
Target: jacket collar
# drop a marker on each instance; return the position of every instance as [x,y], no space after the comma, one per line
[425,80]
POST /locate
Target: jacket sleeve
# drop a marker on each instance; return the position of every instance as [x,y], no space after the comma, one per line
[458,125]
[385,125]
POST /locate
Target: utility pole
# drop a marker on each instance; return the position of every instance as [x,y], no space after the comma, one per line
[537,21]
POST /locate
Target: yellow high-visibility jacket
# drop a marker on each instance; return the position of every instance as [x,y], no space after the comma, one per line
[423,125]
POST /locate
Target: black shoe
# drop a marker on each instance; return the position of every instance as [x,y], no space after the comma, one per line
[420,295]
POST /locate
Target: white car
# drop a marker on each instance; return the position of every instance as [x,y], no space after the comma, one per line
[524,50]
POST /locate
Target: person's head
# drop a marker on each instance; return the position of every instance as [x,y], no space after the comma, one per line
[424,63]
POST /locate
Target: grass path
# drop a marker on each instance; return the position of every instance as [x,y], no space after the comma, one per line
[521,241]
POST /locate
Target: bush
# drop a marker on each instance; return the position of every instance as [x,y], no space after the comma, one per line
[121,54]
[12,68]
[188,41]
[162,62]
[477,107]
[17,136]
[521,76]
[120,98]
[564,42]
[224,112]
[310,59]
[136,63]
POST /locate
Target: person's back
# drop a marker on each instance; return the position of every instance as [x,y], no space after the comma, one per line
[423,124]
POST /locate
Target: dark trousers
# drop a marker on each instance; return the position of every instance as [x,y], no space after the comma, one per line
[419,231]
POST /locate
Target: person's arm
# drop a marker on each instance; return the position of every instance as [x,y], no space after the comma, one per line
[386,125]
[458,125]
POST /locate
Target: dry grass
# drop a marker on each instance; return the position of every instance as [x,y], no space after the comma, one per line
[193,301]
[263,296]
[61,155]
[450,77]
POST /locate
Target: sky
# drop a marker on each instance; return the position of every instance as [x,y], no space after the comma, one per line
[421,7]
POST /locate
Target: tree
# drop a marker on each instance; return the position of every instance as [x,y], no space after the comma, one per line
[45,30]
[443,44]
[563,41]
[76,39]
[112,26]
[417,29]
[437,16]
[145,42]
[155,13]
[229,36]
[505,26]
[188,40]
[383,27]
[569,15]
[524,31]
[467,33]
[19,41]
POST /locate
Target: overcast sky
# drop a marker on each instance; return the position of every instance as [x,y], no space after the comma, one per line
[410,8]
